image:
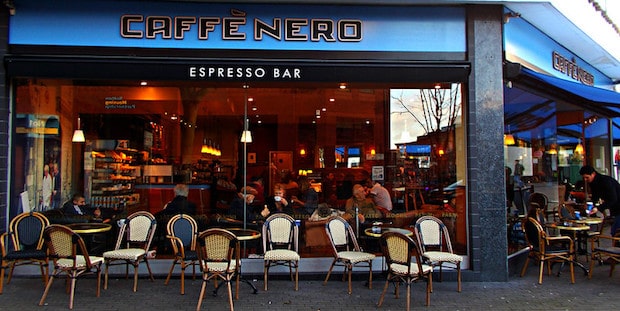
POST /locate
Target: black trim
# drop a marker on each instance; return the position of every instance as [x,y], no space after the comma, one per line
[38,50]
[177,69]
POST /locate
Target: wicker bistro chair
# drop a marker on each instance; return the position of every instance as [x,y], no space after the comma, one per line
[23,245]
[182,231]
[70,256]
[434,240]
[219,258]
[398,250]
[547,249]
[280,242]
[610,251]
[132,246]
[346,250]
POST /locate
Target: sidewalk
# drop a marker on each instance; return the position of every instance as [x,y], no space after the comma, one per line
[556,293]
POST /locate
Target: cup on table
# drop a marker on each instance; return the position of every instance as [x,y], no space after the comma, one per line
[297,222]
[577,215]
[589,206]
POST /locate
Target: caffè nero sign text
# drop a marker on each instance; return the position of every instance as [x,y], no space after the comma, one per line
[234,27]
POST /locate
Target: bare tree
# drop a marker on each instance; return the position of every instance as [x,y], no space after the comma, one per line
[439,108]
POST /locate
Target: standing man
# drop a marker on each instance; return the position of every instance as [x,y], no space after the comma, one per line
[606,189]
[518,172]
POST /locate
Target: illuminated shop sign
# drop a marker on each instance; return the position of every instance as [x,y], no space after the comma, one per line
[570,68]
[241,26]
[244,72]
[232,28]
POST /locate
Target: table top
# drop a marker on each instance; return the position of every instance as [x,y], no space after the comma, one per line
[369,231]
[571,226]
[89,227]
[245,234]
[589,221]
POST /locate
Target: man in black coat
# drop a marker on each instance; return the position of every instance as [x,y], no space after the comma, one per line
[606,189]
[180,204]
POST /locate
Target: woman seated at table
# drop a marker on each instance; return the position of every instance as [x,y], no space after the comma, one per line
[277,203]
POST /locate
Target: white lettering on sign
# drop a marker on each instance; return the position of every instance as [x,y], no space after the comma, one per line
[210,72]
[136,26]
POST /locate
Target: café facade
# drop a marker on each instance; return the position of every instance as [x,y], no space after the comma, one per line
[217,95]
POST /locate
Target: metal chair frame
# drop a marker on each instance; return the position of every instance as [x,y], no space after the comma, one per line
[398,250]
[23,244]
[433,238]
[347,252]
[182,232]
[132,246]
[70,257]
[220,259]
[280,242]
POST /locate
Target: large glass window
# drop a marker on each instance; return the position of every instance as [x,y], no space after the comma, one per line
[140,140]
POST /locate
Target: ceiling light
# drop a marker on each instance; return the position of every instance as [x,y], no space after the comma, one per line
[78,134]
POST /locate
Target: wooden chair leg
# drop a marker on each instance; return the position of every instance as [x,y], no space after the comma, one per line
[329,272]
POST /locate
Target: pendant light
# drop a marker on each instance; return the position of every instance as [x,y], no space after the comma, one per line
[78,134]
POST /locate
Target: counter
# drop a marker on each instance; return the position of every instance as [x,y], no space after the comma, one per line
[155,196]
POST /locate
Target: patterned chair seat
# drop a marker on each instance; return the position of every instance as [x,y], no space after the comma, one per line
[125,253]
[356,257]
[402,269]
[80,261]
[442,257]
[281,254]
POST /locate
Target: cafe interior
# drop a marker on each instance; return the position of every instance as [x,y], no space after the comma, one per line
[140,138]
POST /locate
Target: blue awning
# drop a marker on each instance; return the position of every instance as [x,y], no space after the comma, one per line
[599,100]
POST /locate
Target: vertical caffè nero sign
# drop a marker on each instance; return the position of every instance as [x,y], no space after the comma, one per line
[570,68]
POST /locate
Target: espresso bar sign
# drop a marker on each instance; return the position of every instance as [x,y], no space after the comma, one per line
[234,28]
[244,73]
[570,68]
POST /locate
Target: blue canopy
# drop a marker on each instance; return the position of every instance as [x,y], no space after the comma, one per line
[594,98]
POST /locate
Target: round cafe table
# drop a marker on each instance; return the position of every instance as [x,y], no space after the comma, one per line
[243,235]
[377,234]
[574,229]
[94,235]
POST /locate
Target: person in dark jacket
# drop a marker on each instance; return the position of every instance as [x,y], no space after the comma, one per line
[77,207]
[179,204]
[607,190]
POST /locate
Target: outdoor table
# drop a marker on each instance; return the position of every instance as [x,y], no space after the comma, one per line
[94,235]
[243,235]
[574,229]
[377,233]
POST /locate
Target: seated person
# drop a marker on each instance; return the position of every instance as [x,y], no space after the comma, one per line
[77,206]
[366,207]
[324,211]
[380,196]
[179,204]
[257,184]
[254,212]
[309,199]
[277,203]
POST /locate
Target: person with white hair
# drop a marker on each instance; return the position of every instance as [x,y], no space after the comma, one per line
[180,204]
